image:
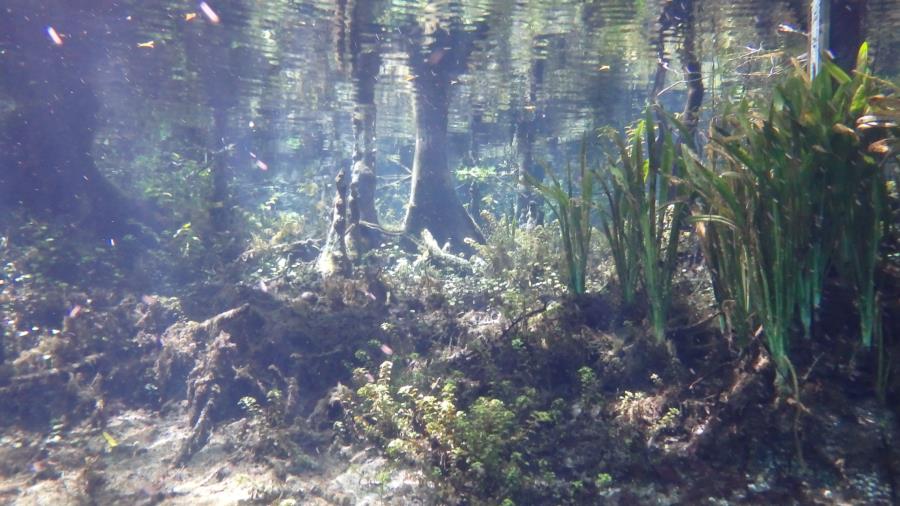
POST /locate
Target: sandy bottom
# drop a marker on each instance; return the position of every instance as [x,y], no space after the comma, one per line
[82,466]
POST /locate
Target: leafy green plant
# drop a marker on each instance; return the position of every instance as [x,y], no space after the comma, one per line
[466,448]
[589,385]
[515,269]
[621,227]
[645,215]
[573,213]
[603,481]
[792,191]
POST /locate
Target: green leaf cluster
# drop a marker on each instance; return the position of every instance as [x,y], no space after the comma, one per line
[468,448]
[573,212]
[791,192]
[644,215]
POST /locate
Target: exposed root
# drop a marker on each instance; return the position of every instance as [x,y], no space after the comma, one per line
[749,386]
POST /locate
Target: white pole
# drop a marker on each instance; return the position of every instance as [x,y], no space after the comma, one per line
[819,21]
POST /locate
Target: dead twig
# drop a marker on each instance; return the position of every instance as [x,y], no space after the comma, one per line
[522,317]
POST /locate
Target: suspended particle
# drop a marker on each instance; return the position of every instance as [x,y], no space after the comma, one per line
[54,36]
[209,13]
[261,165]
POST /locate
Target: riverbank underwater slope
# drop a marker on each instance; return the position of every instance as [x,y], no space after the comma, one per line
[697,307]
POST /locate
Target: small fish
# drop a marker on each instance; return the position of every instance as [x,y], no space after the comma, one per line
[529,107]
[386,350]
[840,128]
[54,36]
[190,16]
[209,13]
[111,441]
[150,44]
[604,67]
[883,101]
[881,147]
[786,28]
[409,77]
[75,311]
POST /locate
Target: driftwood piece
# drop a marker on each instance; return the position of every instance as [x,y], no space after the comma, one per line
[430,250]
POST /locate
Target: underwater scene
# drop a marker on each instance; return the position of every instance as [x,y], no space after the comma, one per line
[449,252]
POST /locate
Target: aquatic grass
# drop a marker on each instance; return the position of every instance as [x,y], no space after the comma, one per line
[573,213]
[790,193]
[619,226]
[645,215]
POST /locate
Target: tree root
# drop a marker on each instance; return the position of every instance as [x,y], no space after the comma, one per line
[747,388]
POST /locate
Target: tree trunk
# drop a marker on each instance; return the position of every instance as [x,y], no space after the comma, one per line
[678,17]
[366,62]
[528,202]
[211,52]
[434,204]
[356,41]
[333,257]
[220,200]
[46,165]
[693,75]
[846,31]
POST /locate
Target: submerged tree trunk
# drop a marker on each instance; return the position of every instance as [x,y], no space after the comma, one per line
[846,31]
[677,17]
[354,228]
[220,200]
[333,257]
[529,202]
[211,51]
[434,204]
[46,164]
[690,65]
[365,62]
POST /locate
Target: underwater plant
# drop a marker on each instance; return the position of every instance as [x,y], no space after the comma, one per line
[645,215]
[789,193]
[573,213]
[621,229]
